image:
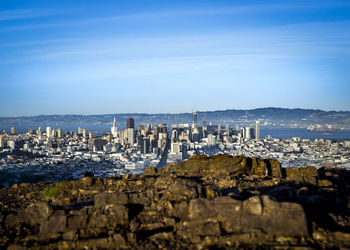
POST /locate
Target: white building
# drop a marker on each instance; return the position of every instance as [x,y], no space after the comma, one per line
[114,130]
[48,132]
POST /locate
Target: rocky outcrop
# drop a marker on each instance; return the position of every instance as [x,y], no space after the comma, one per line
[218,202]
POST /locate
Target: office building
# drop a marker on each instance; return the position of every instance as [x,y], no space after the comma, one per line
[13,131]
[40,131]
[130,135]
[53,133]
[145,146]
[96,144]
[227,129]
[194,120]
[130,123]
[84,133]
[48,132]
[257,130]
[59,133]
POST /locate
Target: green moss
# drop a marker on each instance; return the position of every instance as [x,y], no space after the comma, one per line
[52,191]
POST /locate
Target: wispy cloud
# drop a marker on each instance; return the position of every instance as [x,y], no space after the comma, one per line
[307,40]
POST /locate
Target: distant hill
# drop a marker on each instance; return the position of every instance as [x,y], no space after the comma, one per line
[268,116]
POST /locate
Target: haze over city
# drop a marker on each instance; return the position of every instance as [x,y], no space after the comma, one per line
[97,57]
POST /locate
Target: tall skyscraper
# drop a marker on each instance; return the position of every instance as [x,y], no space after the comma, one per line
[145,146]
[219,132]
[257,130]
[59,133]
[114,130]
[13,131]
[48,132]
[131,135]
[130,123]
[84,133]
[227,129]
[194,120]
[204,130]
[40,131]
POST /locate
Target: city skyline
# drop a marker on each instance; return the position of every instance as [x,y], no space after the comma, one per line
[156,57]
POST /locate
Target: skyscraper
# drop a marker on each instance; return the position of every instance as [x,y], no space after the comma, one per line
[59,133]
[48,132]
[130,123]
[13,131]
[227,129]
[145,146]
[257,130]
[114,129]
[130,135]
[194,120]
[84,133]
[40,130]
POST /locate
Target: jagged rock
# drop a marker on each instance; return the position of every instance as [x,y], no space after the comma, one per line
[302,175]
[150,171]
[258,167]
[180,192]
[274,168]
[204,203]
[56,223]
[35,213]
[276,218]
[103,199]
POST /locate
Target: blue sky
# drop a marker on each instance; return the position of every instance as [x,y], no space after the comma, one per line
[96,57]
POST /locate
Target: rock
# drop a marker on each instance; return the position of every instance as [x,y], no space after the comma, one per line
[103,199]
[293,175]
[87,180]
[119,241]
[69,235]
[274,168]
[226,183]
[206,203]
[257,167]
[302,175]
[56,223]
[15,247]
[324,183]
[35,213]
[116,215]
[308,171]
[180,192]
[77,221]
[150,170]
[192,229]
[275,218]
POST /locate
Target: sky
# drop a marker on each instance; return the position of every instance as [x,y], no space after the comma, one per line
[99,57]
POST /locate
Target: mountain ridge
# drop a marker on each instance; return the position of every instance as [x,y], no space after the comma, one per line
[229,116]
